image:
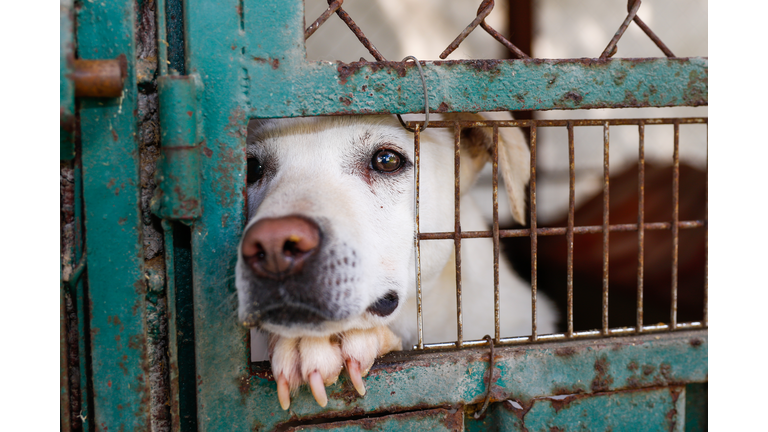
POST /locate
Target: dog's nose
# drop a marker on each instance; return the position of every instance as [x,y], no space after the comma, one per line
[278,247]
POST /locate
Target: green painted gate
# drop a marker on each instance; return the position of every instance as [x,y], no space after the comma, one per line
[207,69]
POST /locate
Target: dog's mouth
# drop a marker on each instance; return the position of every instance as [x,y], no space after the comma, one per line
[290,315]
[294,314]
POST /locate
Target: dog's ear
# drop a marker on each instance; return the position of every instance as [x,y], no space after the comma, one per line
[514,157]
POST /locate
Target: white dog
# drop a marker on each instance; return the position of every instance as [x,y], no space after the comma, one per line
[326,262]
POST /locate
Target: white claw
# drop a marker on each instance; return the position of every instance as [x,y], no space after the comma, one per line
[353,367]
[283,392]
[318,388]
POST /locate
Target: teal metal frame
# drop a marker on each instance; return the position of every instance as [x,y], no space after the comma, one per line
[249,58]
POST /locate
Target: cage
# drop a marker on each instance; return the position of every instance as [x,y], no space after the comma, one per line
[161,350]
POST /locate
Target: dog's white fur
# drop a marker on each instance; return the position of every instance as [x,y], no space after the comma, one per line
[318,171]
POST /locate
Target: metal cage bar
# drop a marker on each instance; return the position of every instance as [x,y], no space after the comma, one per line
[706,244]
[606,215]
[457,230]
[416,240]
[569,229]
[534,234]
[640,223]
[675,222]
[496,246]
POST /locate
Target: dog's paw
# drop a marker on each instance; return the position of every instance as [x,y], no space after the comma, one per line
[318,361]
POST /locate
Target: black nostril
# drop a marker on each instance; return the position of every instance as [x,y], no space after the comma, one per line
[260,254]
[385,305]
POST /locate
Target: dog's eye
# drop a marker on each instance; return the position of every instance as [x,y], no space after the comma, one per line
[255,170]
[386,160]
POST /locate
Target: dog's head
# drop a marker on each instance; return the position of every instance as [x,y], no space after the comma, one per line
[329,241]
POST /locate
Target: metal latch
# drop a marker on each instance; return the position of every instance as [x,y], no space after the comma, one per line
[178,173]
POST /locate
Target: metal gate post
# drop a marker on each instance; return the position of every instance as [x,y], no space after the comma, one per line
[111,188]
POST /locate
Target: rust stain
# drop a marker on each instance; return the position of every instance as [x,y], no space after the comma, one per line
[275,63]
[243,385]
[603,379]
[565,352]
[558,404]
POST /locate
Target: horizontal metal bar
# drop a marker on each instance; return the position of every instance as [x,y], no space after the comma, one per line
[301,88]
[619,331]
[592,229]
[564,122]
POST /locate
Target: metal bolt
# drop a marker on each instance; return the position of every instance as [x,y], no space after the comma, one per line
[100,78]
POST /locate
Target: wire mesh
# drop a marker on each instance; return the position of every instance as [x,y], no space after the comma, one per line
[570,231]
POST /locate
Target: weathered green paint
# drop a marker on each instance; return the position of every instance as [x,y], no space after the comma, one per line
[66,85]
[178,194]
[655,409]
[418,421]
[696,407]
[522,373]
[221,347]
[112,220]
[314,88]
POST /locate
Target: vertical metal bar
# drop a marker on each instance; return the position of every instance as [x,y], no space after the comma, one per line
[606,201]
[112,200]
[81,306]
[173,342]
[417,244]
[457,230]
[705,320]
[569,229]
[675,221]
[495,175]
[162,37]
[640,224]
[534,239]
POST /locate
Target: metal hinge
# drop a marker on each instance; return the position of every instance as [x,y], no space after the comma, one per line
[178,172]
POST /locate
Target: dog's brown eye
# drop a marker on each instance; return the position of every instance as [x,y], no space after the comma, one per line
[255,170]
[386,160]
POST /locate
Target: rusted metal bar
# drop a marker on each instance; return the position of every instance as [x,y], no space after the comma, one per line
[483,11]
[706,244]
[489,384]
[564,122]
[675,222]
[498,36]
[610,50]
[333,6]
[416,179]
[457,230]
[569,229]
[534,233]
[640,224]
[590,229]
[100,78]
[587,334]
[359,33]
[606,232]
[667,52]
[495,175]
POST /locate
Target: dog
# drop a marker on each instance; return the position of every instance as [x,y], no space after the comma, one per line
[326,262]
